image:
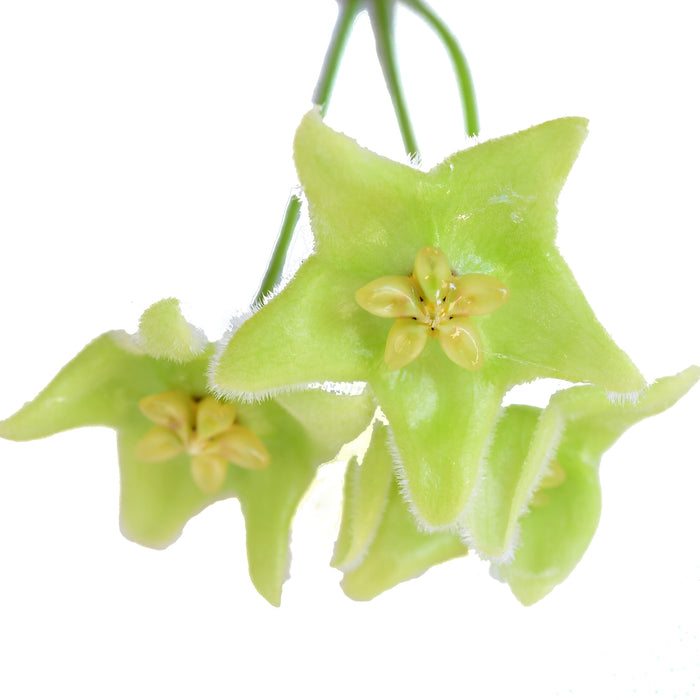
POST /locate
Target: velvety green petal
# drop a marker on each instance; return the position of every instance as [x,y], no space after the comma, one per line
[164,333]
[367,212]
[399,551]
[525,441]
[100,386]
[314,331]
[365,495]
[441,417]
[555,536]
[594,422]
[270,497]
[547,329]
[329,419]
[157,499]
[503,191]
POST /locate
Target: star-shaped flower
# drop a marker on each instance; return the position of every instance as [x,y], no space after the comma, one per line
[180,449]
[490,210]
[535,514]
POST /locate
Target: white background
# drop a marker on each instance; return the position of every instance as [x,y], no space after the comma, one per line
[145,151]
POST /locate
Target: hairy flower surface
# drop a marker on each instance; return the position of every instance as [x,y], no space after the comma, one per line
[534,516]
[491,210]
[180,449]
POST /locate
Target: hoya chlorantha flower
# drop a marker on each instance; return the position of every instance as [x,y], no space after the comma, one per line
[534,515]
[486,214]
[181,449]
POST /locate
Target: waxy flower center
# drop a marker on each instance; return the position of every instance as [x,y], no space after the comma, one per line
[203,428]
[433,302]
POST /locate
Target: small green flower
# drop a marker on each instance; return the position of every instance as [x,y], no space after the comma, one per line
[533,517]
[181,449]
[491,212]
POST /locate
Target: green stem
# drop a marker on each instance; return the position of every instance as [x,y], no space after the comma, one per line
[347,13]
[382,16]
[459,63]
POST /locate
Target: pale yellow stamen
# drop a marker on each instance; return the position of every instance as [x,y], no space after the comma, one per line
[205,430]
[433,301]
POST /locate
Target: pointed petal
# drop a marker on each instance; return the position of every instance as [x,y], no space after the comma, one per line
[525,441]
[432,273]
[314,331]
[548,329]
[461,342]
[270,497]
[367,211]
[555,535]
[213,417]
[208,472]
[398,552]
[158,444]
[365,495]
[392,296]
[502,191]
[477,294]
[100,386]
[441,418]
[596,422]
[405,342]
[241,446]
[164,333]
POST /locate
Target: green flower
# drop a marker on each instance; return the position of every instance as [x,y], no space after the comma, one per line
[534,516]
[488,211]
[180,449]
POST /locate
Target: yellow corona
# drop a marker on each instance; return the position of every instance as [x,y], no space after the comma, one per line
[203,428]
[433,302]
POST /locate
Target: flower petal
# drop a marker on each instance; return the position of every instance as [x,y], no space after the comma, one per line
[555,536]
[548,329]
[524,443]
[405,342]
[360,203]
[314,331]
[391,296]
[441,418]
[100,386]
[398,552]
[164,333]
[476,294]
[365,494]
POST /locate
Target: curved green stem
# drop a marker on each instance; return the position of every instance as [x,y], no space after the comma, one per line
[347,12]
[382,16]
[459,63]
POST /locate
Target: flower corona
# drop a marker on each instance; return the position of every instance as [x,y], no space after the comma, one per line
[205,430]
[433,302]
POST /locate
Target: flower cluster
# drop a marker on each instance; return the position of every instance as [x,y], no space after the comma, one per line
[464,255]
